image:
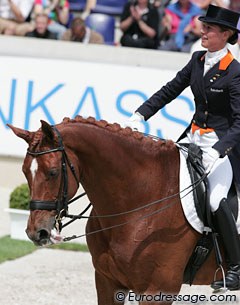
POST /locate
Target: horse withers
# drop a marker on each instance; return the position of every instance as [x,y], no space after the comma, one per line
[143,240]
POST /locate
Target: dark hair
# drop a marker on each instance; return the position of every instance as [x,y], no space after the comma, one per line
[233,38]
[77,21]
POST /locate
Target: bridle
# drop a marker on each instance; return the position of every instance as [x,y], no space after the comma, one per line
[61,203]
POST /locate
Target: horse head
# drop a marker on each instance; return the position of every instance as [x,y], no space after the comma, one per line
[46,167]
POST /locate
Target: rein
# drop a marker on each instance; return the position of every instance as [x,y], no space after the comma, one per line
[192,186]
[61,204]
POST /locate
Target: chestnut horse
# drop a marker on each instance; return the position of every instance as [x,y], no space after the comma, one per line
[147,246]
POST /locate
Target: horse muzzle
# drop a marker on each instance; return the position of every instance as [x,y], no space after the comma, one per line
[40,237]
[44,237]
[40,227]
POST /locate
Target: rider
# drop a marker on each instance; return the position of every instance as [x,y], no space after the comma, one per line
[214,77]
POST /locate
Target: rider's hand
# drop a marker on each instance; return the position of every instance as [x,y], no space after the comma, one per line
[209,159]
[134,121]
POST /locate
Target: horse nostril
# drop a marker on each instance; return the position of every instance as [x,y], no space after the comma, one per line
[43,234]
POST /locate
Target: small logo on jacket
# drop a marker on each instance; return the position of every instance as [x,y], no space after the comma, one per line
[216,90]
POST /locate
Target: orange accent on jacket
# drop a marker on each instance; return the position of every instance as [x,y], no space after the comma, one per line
[195,127]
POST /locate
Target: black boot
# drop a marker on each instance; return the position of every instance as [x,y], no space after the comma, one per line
[228,231]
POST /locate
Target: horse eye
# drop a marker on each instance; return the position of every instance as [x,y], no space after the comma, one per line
[53,172]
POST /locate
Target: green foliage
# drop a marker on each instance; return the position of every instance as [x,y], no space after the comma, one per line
[12,248]
[20,197]
[70,246]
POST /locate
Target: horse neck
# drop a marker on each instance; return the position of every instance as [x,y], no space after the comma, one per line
[103,161]
[114,169]
[100,149]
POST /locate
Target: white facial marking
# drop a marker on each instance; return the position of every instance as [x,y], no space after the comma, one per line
[34,168]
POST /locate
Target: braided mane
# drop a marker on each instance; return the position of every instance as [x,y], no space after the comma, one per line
[115,127]
[112,127]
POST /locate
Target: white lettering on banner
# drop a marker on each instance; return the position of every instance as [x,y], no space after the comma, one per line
[33,89]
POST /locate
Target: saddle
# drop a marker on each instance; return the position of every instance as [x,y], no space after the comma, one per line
[196,172]
[207,240]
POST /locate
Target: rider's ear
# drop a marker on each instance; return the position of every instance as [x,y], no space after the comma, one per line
[47,130]
[21,133]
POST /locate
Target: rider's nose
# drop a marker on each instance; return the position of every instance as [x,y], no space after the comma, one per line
[202,31]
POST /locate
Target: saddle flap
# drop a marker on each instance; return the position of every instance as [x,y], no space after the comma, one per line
[196,172]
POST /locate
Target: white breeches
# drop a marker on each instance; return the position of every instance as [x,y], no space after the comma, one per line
[221,175]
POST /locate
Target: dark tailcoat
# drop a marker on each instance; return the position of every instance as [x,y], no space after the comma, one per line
[217,102]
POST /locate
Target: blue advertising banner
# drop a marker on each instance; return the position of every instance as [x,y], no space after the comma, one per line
[33,89]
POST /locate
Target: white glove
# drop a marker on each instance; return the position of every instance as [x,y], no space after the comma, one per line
[134,121]
[209,159]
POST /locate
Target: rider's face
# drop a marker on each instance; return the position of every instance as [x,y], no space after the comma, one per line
[213,37]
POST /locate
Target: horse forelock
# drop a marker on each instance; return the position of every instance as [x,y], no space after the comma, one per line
[40,141]
[36,140]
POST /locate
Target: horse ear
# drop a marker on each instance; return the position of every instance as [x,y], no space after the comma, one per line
[47,130]
[21,133]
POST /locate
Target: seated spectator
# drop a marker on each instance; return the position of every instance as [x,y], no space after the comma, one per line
[57,11]
[41,28]
[139,24]
[81,33]
[181,19]
[13,17]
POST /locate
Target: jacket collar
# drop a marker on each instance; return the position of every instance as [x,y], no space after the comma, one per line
[217,70]
[224,62]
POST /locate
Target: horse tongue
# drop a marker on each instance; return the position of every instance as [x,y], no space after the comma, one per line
[55,237]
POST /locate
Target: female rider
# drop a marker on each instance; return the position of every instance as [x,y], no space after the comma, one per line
[214,77]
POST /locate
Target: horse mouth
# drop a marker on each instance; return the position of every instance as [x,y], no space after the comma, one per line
[55,237]
[46,238]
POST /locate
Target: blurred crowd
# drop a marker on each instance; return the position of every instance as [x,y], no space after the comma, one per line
[170,25]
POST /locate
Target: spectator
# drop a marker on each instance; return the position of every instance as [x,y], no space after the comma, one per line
[160,6]
[13,16]
[81,33]
[41,28]
[139,24]
[181,19]
[57,11]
